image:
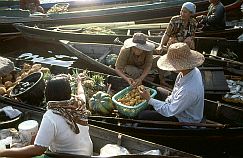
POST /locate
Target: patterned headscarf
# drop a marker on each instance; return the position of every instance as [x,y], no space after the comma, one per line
[71,110]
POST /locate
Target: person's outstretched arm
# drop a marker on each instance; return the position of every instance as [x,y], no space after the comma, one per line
[24,152]
[80,89]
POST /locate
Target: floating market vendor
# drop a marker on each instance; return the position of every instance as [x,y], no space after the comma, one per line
[215,18]
[32,5]
[181,28]
[186,102]
[135,59]
[64,127]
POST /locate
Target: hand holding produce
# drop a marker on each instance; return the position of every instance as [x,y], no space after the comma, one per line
[144,92]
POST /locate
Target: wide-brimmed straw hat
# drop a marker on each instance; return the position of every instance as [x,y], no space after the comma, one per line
[140,41]
[180,57]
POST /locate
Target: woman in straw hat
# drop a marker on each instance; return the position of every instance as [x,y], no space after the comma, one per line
[181,28]
[135,59]
[64,127]
[186,102]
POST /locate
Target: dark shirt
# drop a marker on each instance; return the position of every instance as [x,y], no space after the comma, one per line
[25,4]
[215,18]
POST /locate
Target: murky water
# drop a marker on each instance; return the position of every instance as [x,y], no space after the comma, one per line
[54,1]
[46,53]
[59,60]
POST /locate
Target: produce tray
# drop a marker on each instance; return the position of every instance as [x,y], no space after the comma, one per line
[130,111]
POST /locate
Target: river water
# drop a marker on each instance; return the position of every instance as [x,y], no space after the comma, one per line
[46,53]
[50,53]
[55,1]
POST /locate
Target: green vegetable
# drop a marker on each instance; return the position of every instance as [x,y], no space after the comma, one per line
[101,102]
[111,59]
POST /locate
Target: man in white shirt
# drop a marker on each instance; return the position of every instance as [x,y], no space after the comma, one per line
[186,102]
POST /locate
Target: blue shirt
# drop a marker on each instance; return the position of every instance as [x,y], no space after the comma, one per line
[186,102]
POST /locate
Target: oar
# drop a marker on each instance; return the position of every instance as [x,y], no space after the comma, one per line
[117,41]
[215,125]
[104,56]
[14,103]
[224,59]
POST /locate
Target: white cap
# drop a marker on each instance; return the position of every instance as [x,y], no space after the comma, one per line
[190,6]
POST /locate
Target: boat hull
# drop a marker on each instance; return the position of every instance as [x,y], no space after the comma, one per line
[113,14]
[224,136]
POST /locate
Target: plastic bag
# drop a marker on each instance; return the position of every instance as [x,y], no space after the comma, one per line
[6,143]
[150,152]
[113,150]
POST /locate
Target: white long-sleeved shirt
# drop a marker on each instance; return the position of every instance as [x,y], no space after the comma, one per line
[186,102]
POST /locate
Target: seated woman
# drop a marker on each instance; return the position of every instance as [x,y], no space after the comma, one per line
[64,127]
[181,28]
[32,5]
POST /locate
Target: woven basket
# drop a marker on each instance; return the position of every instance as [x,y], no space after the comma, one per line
[130,111]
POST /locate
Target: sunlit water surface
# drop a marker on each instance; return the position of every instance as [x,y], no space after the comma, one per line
[58,60]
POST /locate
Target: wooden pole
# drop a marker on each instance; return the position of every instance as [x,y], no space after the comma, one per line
[211,125]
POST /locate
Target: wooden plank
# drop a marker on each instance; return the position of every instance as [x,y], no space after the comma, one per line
[214,80]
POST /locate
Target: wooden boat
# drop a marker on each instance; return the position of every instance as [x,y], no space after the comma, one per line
[67,34]
[91,51]
[224,135]
[7,36]
[158,29]
[228,7]
[94,4]
[113,14]
[230,32]
[76,34]
[72,3]
[203,44]
[211,137]
[214,79]
[101,137]
[8,4]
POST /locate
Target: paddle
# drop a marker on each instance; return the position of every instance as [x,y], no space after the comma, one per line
[224,59]
[104,55]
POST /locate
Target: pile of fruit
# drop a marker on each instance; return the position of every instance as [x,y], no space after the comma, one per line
[58,8]
[132,98]
[8,82]
[101,30]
